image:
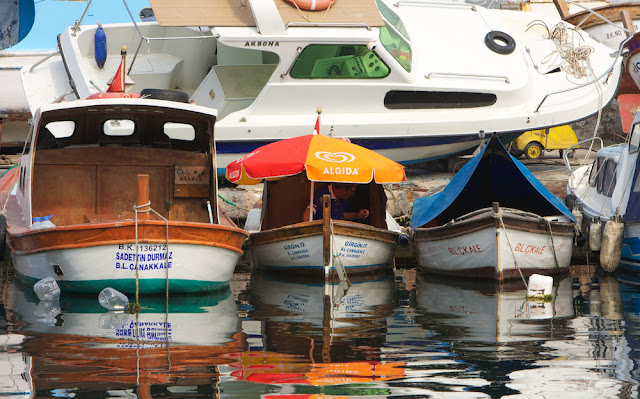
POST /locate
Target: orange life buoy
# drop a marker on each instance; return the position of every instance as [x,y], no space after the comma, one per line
[113,95]
[312,5]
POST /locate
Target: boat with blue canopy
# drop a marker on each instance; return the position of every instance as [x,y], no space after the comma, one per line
[493,220]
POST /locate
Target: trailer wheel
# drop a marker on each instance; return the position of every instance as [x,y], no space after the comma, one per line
[533,150]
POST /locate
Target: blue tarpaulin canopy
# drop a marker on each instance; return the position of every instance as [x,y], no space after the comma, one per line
[491,176]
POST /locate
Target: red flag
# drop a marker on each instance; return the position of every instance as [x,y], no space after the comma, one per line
[117,84]
[316,129]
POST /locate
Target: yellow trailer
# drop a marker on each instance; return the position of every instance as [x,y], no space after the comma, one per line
[534,142]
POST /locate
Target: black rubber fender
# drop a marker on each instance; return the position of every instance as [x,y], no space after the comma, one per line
[500,42]
[163,94]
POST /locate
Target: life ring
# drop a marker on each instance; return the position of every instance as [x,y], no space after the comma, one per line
[312,5]
[113,95]
[500,42]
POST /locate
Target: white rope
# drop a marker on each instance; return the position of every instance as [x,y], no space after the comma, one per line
[498,216]
[569,55]
[553,246]
[136,210]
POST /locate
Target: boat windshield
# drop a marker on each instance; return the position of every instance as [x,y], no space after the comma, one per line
[394,36]
[396,46]
[634,139]
[338,61]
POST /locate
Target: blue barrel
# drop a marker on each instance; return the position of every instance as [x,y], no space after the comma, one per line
[100,40]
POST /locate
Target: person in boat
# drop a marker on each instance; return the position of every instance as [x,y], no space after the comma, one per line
[340,194]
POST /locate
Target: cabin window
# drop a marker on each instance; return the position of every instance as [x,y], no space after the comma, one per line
[61,129]
[179,131]
[338,61]
[119,127]
[607,180]
[634,140]
[595,168]
[400,99]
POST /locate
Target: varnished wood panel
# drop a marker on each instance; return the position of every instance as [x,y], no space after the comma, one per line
[238,13]
[66,191]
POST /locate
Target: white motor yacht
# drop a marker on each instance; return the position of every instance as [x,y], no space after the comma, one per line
[411,79]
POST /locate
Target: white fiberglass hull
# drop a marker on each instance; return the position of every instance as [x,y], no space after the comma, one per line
[189,268]
[302,251]
[494,251]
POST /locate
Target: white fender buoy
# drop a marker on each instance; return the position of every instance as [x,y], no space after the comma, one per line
[611,248]
[595,235]
[577,213]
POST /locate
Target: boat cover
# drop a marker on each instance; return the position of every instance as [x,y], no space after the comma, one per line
[491,176]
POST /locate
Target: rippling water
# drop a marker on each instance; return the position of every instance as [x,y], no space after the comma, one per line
[404,335]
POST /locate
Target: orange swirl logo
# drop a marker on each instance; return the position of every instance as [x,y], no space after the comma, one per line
[335,157]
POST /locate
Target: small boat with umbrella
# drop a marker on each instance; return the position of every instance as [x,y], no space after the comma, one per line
[292,170]
[493,220]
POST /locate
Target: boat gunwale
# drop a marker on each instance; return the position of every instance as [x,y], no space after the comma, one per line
[26,242]
[486,220]
[308,229]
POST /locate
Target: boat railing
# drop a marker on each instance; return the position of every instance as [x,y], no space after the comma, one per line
[472,7]
[46,57]
[143,38]
[76,26]
[466,75]
[571,148]
[608,71]
[328,25]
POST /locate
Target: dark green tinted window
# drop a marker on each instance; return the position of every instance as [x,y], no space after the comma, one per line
[338,61]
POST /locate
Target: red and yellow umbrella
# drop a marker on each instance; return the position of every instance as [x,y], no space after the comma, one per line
[325,159]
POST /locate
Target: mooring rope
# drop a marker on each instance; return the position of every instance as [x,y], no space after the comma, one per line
[498,216]
[136,210]
[335,257]
[553,246]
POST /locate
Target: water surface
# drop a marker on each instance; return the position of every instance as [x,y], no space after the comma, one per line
[403,335]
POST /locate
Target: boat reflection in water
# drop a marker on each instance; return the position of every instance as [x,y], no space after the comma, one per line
[77,343]
[320,344]
[569,346]
[490,312]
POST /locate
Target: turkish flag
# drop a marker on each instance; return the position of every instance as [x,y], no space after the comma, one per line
[316,129]
[117,84]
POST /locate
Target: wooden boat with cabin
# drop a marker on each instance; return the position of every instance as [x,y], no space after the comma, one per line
[132,188]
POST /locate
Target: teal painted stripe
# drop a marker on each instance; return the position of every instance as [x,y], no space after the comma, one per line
[128,286]
[178,303]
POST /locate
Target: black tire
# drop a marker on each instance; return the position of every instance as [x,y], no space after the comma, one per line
[533,150]
[162,94]
[500,42]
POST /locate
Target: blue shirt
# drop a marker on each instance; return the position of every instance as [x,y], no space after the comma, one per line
[337,206]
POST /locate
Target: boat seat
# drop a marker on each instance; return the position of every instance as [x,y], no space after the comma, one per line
[149,70]
[229,88]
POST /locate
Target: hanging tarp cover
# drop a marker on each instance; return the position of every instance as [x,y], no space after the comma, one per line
[491,176]
[632,213]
